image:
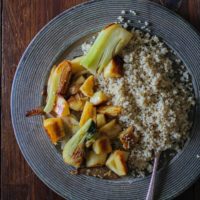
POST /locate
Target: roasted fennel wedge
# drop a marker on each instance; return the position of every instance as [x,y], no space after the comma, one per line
[57,83]
[109,43]
[73,152]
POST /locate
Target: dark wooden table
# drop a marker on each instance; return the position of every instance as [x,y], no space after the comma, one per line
[21,20]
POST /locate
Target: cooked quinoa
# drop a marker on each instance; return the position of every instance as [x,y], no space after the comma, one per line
[155,94]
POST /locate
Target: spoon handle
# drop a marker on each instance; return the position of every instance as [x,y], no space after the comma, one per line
[150,193]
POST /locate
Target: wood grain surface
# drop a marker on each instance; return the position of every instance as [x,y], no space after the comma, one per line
[21,20]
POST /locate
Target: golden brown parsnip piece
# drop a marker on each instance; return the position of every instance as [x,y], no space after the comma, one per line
[94,160]
[61,107]
[111,129]
[89,111]
[112,111]
[87,87]
[54,128]
[102,145]
[117,162]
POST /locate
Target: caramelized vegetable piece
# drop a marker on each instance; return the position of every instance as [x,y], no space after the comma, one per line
[101,120]
[111,129]
[117,162]
[61,108]
[112,111]
[75,86]
[100,172]
[52,87]
[98,98]
[71,123]
[76,103]
[76,66]
[54,128]
[80,80]
[102,145]
[110,41]
[92,135]
[128,138]
[74,89]
[113,69]
[57,83]
[94,160]
[73,152]
[87,87]
[35,111]
[89,111]
[66,69]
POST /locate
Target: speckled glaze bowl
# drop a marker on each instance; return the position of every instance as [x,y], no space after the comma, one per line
[61,38]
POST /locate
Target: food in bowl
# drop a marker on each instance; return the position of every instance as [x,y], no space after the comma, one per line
[112,108]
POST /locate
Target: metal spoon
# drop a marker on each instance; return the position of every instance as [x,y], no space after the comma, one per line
[150,193]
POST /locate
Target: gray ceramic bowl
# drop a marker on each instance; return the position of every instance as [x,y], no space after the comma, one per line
[60,38]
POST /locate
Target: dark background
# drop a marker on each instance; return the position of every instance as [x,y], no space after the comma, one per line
[21,20]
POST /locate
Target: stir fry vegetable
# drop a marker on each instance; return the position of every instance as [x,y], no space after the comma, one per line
[112,111]
[57,83]
[98,98]
[89,111]
[102,145]
[117,162]
[61,107]
[113,69]
[92,134]
[94,160]
[111,129]
[76,66]
[73,152]
[101,120]
[109,43]
[87,87]
[54,128]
